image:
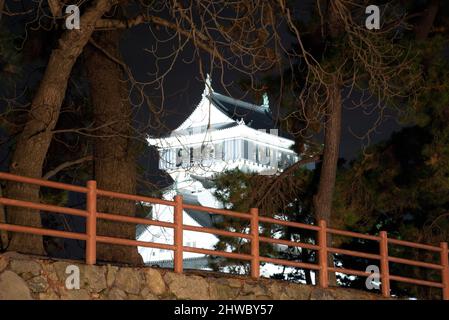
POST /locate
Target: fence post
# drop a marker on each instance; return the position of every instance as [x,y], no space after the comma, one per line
[323,255]
[91,222]
[384,267]
[255,256]
[178,234]
[445,271]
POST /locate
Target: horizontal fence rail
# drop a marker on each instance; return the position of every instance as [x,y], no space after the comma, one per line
[321,247]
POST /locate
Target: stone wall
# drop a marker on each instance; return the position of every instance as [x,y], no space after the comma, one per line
[25,277]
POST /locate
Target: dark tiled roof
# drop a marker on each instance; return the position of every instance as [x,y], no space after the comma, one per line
[204,218]
[255,116]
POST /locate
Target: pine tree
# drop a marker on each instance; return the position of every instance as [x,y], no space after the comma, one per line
[402,185]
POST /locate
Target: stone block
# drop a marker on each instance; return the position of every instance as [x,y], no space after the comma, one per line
[13,287]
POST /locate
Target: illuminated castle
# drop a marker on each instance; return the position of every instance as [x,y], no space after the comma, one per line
[222,133]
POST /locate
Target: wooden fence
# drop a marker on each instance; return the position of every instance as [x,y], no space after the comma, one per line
[321,246]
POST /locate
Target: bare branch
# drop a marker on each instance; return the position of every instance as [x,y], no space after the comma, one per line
[66,165]
[279,179]
[106,24]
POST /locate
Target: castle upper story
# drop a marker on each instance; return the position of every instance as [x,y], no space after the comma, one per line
[225,133]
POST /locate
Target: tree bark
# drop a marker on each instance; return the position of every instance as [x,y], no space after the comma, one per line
[332,134]
[322,201]
[32,144]
[114,155]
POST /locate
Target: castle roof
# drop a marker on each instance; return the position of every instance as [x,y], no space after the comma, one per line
[217,112]
[254,116]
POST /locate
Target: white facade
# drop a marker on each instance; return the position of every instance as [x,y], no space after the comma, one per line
[165,235]
[211,140]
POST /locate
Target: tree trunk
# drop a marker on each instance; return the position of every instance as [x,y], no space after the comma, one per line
[114,155]
[332,133]
[32,144]
[322,201]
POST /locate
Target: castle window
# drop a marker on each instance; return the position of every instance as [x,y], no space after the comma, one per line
[179,157]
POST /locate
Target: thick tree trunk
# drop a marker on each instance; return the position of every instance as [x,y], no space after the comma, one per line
[32,144]
[332,133]
[322,201]
[114,155]
[332,129]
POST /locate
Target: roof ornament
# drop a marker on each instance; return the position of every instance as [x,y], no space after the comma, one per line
[266,102]
[208,86]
